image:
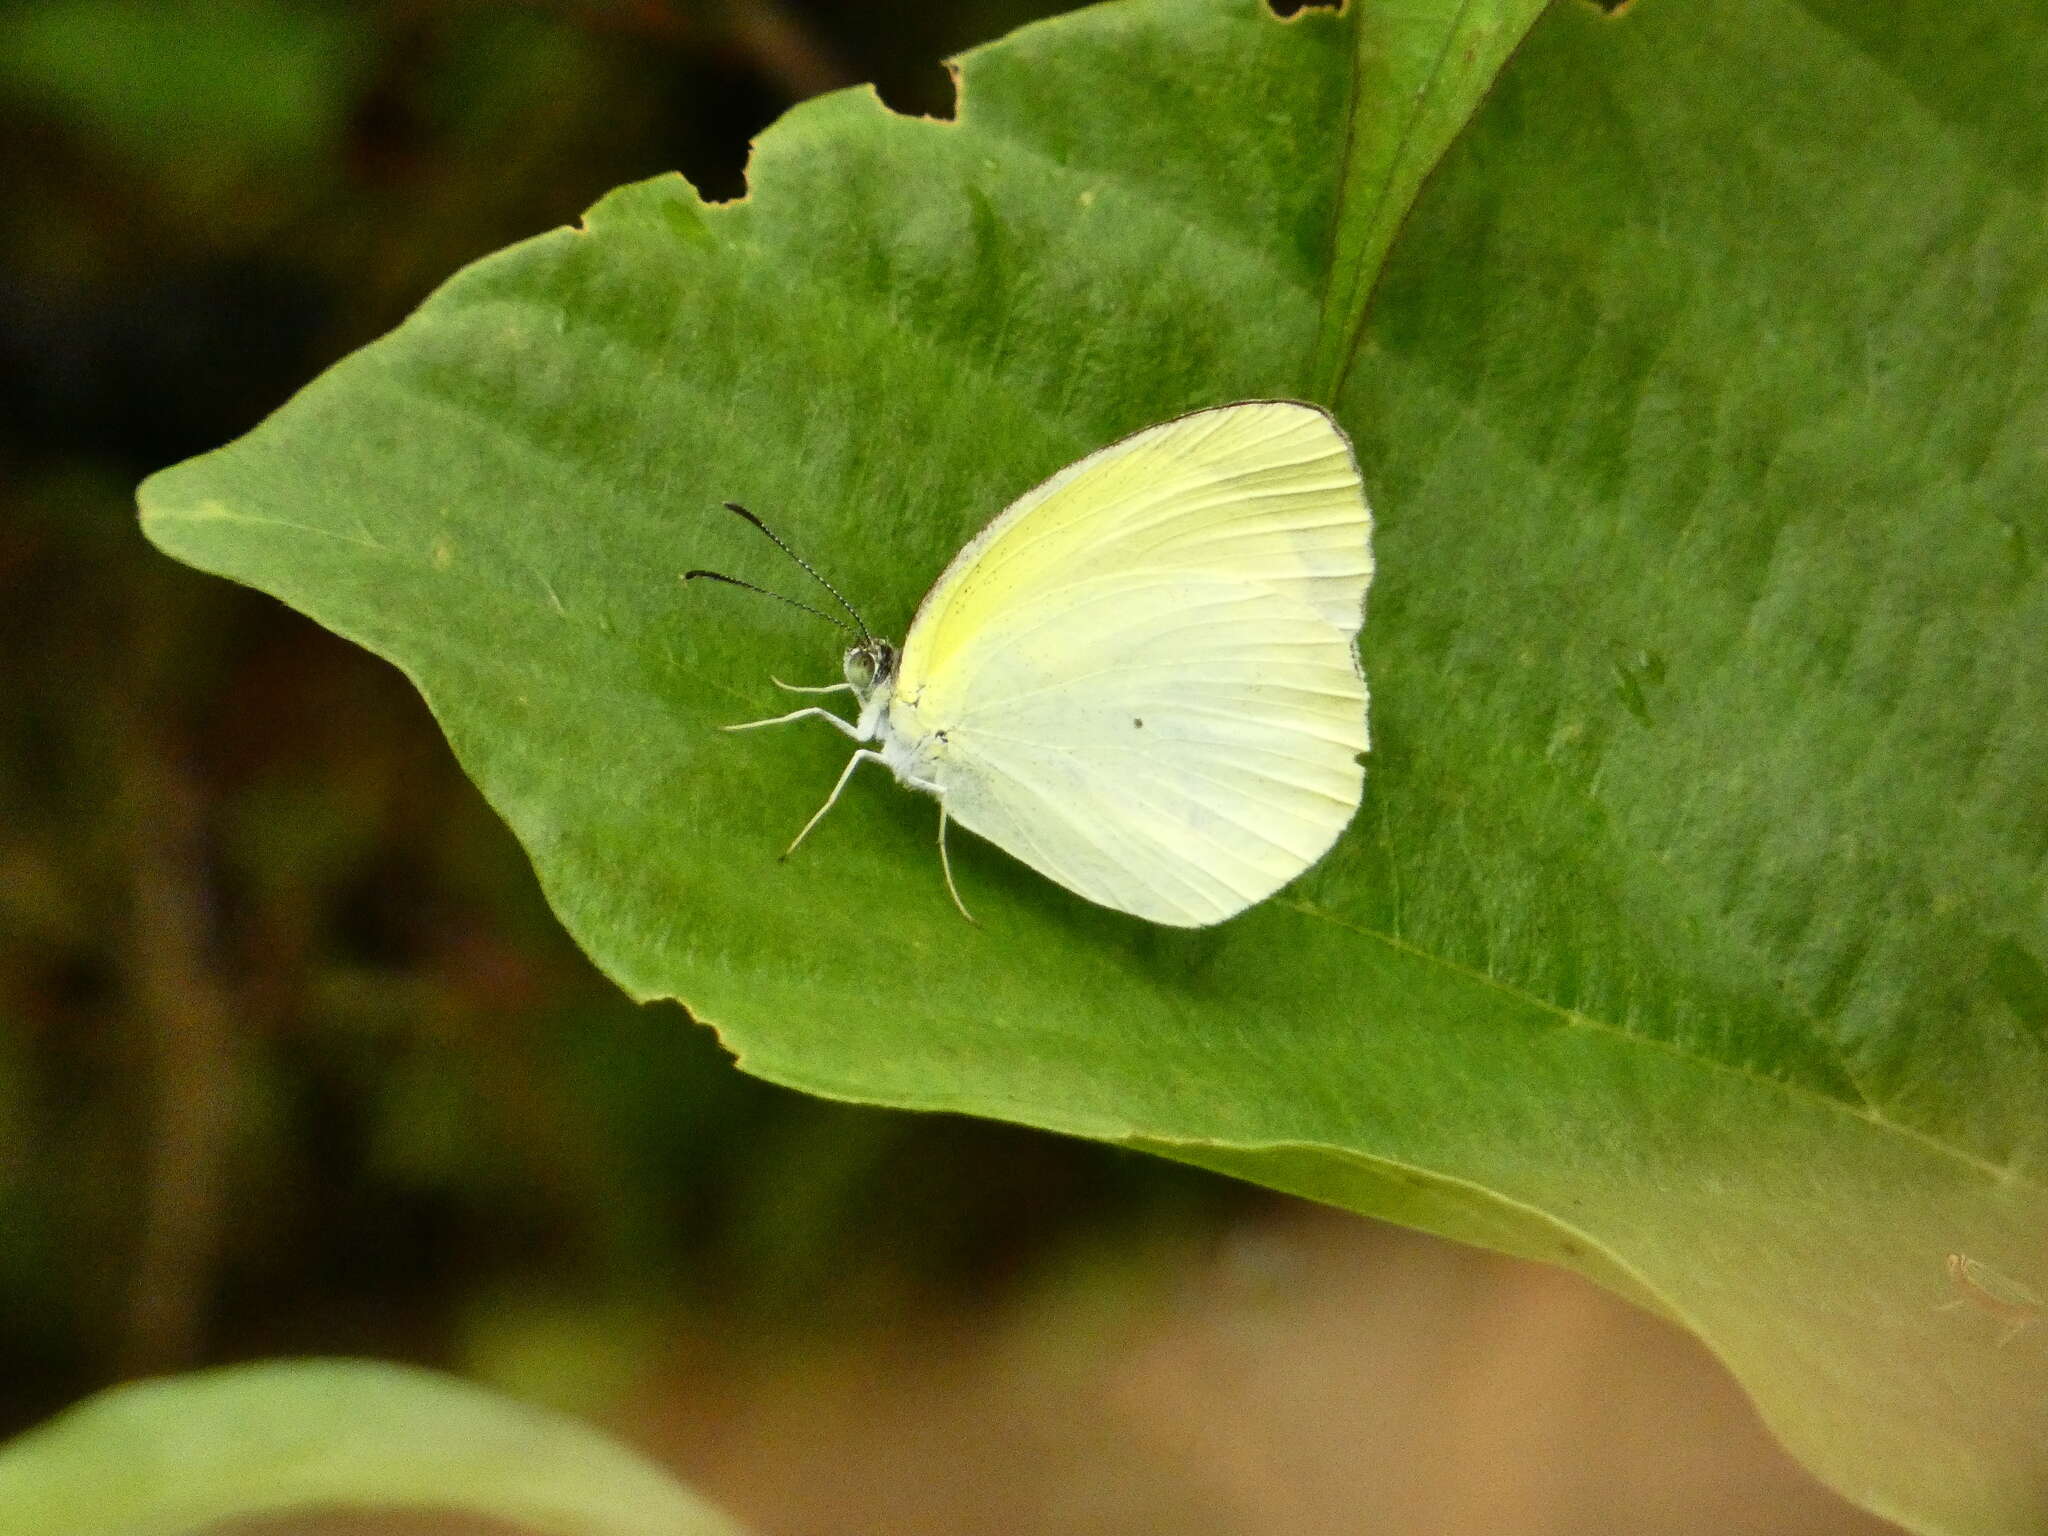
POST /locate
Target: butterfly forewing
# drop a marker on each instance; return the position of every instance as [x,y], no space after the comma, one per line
[1146,669]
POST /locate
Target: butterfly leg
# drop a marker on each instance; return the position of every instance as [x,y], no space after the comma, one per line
[798,714]
[946,864]
[832,799]
[795,688]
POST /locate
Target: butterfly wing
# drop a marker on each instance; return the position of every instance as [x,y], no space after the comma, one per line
[1142,678]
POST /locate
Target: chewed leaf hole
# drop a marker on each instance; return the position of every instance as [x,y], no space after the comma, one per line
[928,89]
[712,124]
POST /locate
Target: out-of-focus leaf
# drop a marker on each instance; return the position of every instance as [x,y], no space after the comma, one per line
[167,1457]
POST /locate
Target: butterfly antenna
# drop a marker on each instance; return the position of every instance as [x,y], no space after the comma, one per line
[734,581]
[811,570]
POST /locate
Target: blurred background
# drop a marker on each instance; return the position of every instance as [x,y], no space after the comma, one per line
[293,1059]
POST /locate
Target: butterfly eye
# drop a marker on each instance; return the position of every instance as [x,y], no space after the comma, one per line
[870,663]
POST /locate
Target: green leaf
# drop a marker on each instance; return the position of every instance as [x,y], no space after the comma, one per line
[161,1458]
[1692,932]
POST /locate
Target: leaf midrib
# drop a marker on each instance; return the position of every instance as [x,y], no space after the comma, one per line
[2002,1176]
[1348,346]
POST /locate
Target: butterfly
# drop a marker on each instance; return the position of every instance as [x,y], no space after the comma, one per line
[1142,678]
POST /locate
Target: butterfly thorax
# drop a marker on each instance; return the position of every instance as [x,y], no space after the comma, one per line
[871,669]
[909,746]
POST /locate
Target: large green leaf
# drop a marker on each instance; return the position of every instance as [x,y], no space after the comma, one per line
[1692,931]
[168,1457]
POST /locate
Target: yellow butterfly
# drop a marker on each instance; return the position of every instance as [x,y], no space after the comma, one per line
[1142,679]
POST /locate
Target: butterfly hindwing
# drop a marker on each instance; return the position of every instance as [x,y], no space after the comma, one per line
[1145,671]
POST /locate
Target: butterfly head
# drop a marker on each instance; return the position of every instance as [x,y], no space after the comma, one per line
[870,665]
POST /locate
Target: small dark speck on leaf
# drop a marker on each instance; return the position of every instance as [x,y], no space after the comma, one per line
[1636,673]
[2021,553]
[2020,981]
